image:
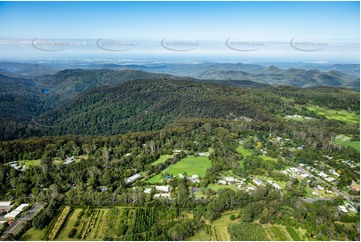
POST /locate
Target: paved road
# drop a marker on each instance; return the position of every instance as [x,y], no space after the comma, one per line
[344,195]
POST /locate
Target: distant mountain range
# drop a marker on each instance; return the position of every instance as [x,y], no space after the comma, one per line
[336,75]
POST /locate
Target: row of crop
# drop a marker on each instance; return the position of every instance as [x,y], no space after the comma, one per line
[111,220]
[91,223]
[294,234]
[276,231]
[59,223]
[144,219]
[97,230]
[50,226]
[247,231]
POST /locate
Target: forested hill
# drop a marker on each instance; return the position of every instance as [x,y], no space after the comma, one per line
[104,102]
[149,105]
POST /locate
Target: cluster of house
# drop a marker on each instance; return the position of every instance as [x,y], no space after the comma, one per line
[350,163]
[323,175]
[161,191]
[345,209]
[320,188]
[17,167]
[294,172]
[14,213]
[232,181]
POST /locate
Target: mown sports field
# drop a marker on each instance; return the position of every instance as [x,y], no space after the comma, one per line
[191,165]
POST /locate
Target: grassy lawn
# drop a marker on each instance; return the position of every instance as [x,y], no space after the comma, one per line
[161,159]
[309,192]
[191,165]
[29,163]
[33,234]
[341,115]
[345,141]
[265,157]
[216,187]
[243,151]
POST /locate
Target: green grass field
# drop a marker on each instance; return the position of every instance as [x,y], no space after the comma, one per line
[216,187]
[161,159]
[191,165]
[29,163]
[33,234]
[341,115]
[265,157]
[345,141]
[243,151]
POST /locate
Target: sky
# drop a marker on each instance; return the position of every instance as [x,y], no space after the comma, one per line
[205,24]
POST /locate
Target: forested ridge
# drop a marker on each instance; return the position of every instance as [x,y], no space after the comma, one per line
[95,102]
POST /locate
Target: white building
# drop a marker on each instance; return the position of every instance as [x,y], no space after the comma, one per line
[132,178]
[16,211]
[229,179]
[342,209]
[222,182]
[203,154]
[147,190]
[320,188]
[69,160]
[258,182]
[5,204]
[163,189]
[330,179]
[322,174]
[181,176]
[275,185]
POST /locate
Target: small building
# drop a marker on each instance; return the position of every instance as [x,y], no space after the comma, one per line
[275,185]
[203,154]
[5,204]
[147,190]
[342,209]
[16,211]
[320,188]
[258,182]
[222,182]
[315,194]
[163,189]
[330,179]
[351,208]
[181,176]
[229,179]
[322,174]
[132,178]
[103,188]
[69,160]
[304,175]
[194,178]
